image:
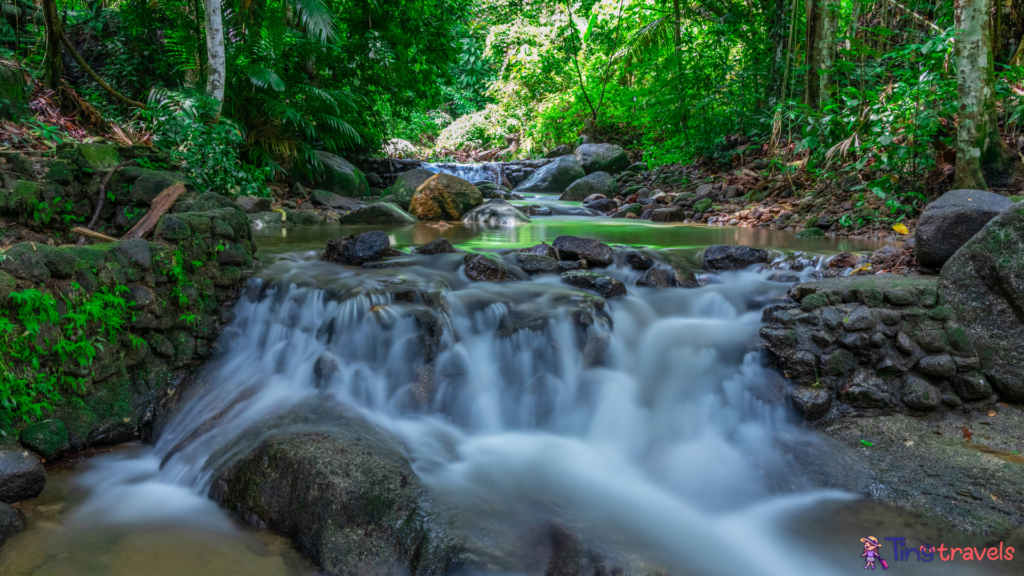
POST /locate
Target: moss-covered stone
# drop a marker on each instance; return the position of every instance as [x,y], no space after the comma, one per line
[703,205]
[15,88]
[172,228]
[24,196]
[811,232]
[61,172]
[47,438]
[814,301]
[25,261]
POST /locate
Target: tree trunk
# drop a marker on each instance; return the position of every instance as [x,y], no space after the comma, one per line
[52,59]
[822,24]
[675,25]
[777,40]
[216,60]
[982,158]
[854,17]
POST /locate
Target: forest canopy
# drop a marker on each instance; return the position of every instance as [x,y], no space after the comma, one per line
[833,84]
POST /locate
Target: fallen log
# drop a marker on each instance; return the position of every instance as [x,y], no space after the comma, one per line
[160,205]
[85,232]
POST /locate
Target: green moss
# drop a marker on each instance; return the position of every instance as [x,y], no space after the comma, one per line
[957,338]
[810,233]
[98,157]
[812,222]
[47,438]
[870,297]
[814,301]
[940,313]
[838,363]
[703,205]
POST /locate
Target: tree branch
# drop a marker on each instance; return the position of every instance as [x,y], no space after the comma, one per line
[74,54]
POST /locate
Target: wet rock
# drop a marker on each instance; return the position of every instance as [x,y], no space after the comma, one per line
[347,497]
[553,178]
[444,197]
[602,158]
[542,249]
[860,318]
[537,264]
[657,278]
[972,386]
[10,521]
[843,260]
[22,475]
[603,205]
[982,282]
[671,214]
[811,403]
[496,213]
[407,183]
[784,278]
[357,250]
[332,200]
[865,390]
[598,183]
[557,151]
[918,394]
[639,261]
[599,283]
[566,265]
[324,369]
[437,246]
[721,258]
[938,365]
[483,268]
[140,297]
[47,438]
[593,198]
[379,214]
[535,210]
[949,222]
[594,252]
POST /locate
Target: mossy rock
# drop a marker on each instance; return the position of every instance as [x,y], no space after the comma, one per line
[47,438]
[703,205]
[26,263]
[812,232]
[15,88]
[98,157]
[812,222]
[23,197]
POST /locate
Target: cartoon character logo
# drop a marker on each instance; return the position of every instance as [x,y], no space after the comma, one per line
[870,555]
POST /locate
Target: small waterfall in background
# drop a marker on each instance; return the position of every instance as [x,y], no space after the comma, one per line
[471,172]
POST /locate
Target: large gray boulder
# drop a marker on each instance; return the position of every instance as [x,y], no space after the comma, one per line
[346,496]
[370,246]
[984,283]
[949,222]
[602,158]
[406,185]
[496,212]
[22,475]
[721,257]
[553,178]
[381,213]
[597,183]
[574,248]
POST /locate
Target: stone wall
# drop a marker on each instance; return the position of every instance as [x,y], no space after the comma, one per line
[177,288]
[883,342]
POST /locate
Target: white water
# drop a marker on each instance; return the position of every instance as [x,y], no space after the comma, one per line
[471,172]
[664,453]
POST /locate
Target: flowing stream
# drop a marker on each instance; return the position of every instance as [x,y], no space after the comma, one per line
[658,440]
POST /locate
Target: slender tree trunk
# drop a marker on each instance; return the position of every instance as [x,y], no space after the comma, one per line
[852,31]
[982,158]
[776,39]
[675,25]
[822,24]
[52,59]
[216,59]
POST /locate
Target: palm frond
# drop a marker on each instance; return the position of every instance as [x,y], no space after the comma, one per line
[318,19]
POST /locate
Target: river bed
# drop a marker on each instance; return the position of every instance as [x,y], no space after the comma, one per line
[664,453]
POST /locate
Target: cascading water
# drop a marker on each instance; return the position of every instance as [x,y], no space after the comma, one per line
[643,431]
[471,172]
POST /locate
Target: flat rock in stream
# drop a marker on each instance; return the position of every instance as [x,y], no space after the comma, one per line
[486,269]
[496,213]
[370,246]
[721,257]
[594,252]
[599,283]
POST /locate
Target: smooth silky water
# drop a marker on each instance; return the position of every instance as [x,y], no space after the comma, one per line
[666,454]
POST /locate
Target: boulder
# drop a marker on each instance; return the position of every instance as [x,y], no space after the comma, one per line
[437,246]
[603,205]
[594,282]
[339,176]
[657,278]
[984,285]
[720,258]
[47,438]
[357,250]
[949,222]
[918,394]
[553,178]
[637,167]
[379,214]
[594,198]
[10,521]
[482,268]
[347,497]
[971,386]
[574,248]
[252,204]
[597,183]
[22,475]
[444,197]
[496,213]
[557,151]
[332,200]
[670,214]
[602,158]
[407,183]
[542,249]
[639,261]
[811,402]
[537,264]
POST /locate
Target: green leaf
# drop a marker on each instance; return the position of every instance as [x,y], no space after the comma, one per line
[590,27]
[866,443]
